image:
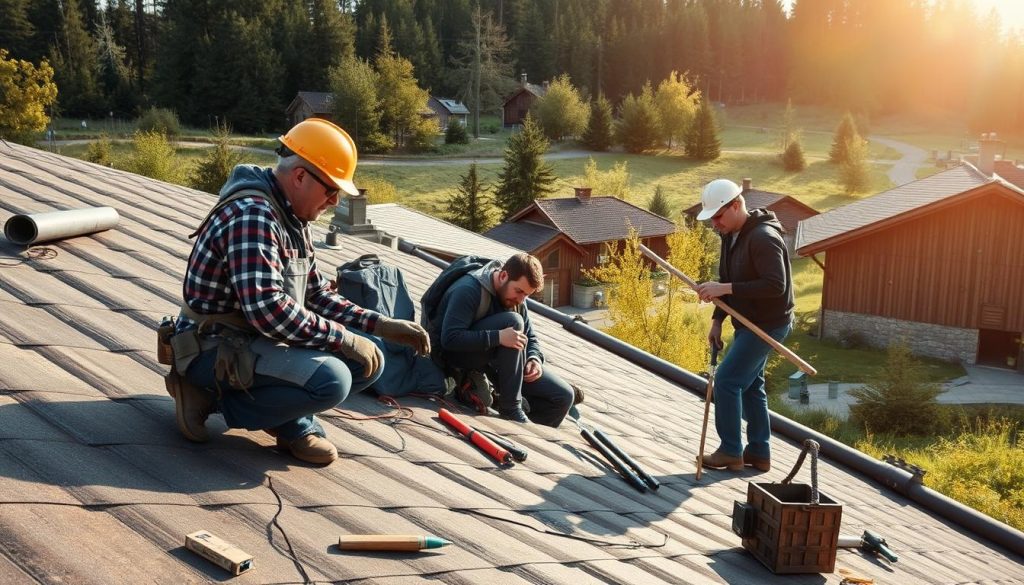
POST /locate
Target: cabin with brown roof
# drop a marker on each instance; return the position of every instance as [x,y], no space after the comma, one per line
[572,234]
[518,104]
[790,210]
[938,262]
[310,104]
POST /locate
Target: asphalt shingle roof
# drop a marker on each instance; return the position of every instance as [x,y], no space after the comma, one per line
[522,234]
[888,204]
[1011,172]
[435,235]
[601,219]
[97,486]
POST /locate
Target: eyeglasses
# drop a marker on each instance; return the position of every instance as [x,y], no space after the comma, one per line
[721,212]
[332,191]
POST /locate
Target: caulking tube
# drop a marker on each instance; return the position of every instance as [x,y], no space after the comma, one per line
[478,439]
[54,225]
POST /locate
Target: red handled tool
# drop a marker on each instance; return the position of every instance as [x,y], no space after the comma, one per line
[478,439]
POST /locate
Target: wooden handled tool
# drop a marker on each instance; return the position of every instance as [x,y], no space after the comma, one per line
[782,349]
[707,406]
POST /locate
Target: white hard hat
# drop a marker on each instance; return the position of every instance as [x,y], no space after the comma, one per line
[716,194]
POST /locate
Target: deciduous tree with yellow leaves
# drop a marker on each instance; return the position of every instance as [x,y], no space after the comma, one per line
[672,327]
[25,93]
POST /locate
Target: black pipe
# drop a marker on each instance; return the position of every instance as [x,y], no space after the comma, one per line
[889,476]
[619,465]
[652,483]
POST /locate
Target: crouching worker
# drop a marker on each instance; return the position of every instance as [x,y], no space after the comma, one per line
[483,325]
[262,338]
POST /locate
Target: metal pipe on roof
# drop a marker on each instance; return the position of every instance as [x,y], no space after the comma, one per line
[54,225]
[892,477]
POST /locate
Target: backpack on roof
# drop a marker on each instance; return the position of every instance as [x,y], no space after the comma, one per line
[457,269]
[378,287]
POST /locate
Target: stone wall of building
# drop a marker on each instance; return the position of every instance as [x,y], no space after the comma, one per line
[925,339]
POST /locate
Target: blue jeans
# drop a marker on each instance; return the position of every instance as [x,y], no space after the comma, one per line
[739,393]
[274,404]
[550,397]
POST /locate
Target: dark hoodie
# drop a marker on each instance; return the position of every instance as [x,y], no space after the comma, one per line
[262,179]
[758,267]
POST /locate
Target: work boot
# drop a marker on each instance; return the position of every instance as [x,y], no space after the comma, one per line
[722,460]
[310,448]
[757,462]
[192,407]
[515,414]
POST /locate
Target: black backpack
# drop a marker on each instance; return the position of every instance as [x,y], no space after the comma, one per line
[457,269]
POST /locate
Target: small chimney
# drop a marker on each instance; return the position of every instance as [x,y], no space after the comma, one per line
[522,79]
[583,194]
[987,147]
[546,86]
[746,184]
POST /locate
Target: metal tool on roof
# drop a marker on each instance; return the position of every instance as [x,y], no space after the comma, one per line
[517,452]
[477,438]
[870,542]
[35,228]
[707,405]
[651,482]
[782,349]
[619,465]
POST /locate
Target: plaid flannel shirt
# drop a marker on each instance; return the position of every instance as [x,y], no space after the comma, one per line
[237,265]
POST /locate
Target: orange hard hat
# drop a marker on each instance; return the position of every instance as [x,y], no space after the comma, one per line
[327,147]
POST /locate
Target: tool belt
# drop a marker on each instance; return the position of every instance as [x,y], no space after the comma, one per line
[236,362]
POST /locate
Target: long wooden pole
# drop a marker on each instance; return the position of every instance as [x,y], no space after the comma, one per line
[707,407]
[782,349]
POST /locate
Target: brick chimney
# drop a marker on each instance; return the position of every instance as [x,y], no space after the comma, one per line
[987,148]
[746,184]
[583,194]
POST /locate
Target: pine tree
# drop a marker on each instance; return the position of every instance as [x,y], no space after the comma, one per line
[900,400]
[357,105]
[213,169]
[401,98]
[854,172]
[456,132]
[469,207]
[16,29]
[26,91]
[702,142]
[598,135]
[793,158]
[525,176]
[332,41]
[638,128]
[74,64]
[846,131]
[561,112]
[659,203]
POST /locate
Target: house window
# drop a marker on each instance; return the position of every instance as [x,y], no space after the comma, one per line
[551,260]
[550,291]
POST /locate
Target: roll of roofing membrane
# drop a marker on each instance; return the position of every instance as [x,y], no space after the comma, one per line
[55,225]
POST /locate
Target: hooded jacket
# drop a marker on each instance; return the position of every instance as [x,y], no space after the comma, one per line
[757,265]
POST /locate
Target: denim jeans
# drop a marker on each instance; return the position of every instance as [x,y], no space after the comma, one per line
[549,396]
[278,405]
[739,393]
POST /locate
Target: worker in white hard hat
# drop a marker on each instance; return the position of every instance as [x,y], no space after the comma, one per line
[755,279]
[262,337]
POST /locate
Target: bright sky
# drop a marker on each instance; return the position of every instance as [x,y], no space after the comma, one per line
[1011,11]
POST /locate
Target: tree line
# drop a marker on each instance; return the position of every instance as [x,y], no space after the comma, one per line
[244,60]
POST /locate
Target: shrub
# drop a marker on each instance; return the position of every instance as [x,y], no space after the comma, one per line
[456,133]
[899,401]
[99,151]
[793,158]
[378,191]
[212,171]
[153,157]
[160,120]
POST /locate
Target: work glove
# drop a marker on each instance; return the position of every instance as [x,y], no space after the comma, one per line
[362,350]
[404,332]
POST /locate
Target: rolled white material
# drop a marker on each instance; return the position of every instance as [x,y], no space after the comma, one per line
[54,225]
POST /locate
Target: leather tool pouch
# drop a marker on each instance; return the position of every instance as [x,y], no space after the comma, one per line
[164,351]
[236,361]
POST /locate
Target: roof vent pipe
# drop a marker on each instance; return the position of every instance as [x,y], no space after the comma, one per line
[55,225]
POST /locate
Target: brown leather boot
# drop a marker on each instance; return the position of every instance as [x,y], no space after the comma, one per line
[758,463]
[310,448]
[192,407]
[721,460]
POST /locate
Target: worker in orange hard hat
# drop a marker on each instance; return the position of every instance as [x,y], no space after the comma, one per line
[262,337]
